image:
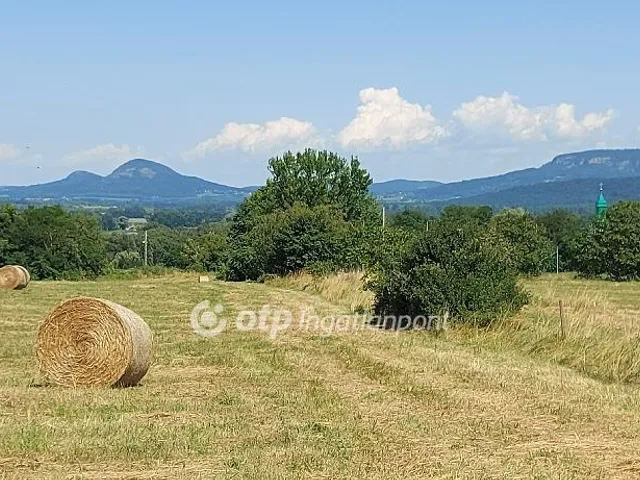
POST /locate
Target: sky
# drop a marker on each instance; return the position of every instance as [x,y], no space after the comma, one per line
[421,90]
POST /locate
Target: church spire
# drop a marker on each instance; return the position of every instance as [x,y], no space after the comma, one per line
[601,204]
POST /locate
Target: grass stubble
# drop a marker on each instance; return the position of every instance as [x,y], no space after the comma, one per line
[516,401]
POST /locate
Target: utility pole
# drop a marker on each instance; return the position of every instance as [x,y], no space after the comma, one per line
[557,259]
[383,216]
[146,248]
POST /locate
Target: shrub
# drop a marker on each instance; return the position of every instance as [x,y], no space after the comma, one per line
[447,270]
[126,260]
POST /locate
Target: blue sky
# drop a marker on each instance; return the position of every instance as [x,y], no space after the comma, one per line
[448,91]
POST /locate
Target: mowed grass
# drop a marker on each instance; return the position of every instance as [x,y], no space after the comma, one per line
[355,404]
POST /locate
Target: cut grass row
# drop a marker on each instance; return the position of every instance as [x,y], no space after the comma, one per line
[368,405]
[602,321]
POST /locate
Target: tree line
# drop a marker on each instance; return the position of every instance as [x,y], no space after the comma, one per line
[315,213]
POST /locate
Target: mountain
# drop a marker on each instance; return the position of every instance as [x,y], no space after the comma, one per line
[136,180]
[568,180]
[578,195]
[395,186]
[596,164]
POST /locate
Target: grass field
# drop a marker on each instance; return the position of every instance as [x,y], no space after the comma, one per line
[514,402]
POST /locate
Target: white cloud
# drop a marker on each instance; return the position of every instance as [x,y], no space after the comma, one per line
[386,120]
[8,152]
[505,114]
[108,154]
[251,137]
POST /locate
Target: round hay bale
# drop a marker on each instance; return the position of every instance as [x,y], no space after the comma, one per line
[12,278]
[90,342]
[27,275]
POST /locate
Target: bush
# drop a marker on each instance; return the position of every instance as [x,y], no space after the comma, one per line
[447,270]
[127,260]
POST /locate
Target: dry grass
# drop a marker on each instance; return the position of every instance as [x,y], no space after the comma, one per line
[342,289]
[602,327]
[602,321]
[372,405]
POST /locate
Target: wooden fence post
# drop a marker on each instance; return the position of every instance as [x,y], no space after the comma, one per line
[563,327]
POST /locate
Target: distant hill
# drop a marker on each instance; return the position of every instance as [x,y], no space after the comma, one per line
[568,180]
[396,186]
[596,164]
[136,180]
[577,195]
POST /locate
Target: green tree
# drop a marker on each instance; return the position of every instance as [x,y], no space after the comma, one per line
[207,250]
[411,220]
[166,247]
[8,217]
[314,212]
[55,244]
[529,248]
[564,229]
[612,245]
[467,216]
[312,178]
[591,259]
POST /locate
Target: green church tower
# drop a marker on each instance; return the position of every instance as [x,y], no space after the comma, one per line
[601,204]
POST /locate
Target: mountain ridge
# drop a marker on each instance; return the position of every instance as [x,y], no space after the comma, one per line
[579,195]
[140,180]
[602,164]
[136,179]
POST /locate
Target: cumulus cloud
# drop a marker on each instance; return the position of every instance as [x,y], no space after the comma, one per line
[106,154]
[386,120]
[8,152]
[252,137]
[505,114]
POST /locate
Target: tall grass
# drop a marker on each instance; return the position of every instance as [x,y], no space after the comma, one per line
[345,289]
[602,337]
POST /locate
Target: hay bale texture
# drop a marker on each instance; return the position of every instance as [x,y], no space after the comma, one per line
[14,277]
[90,342]
[26,273]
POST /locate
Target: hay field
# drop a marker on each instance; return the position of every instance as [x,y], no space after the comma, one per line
[515,403]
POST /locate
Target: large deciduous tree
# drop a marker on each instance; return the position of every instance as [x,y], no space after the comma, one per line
[311,211]
[52,243]
[612,245]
